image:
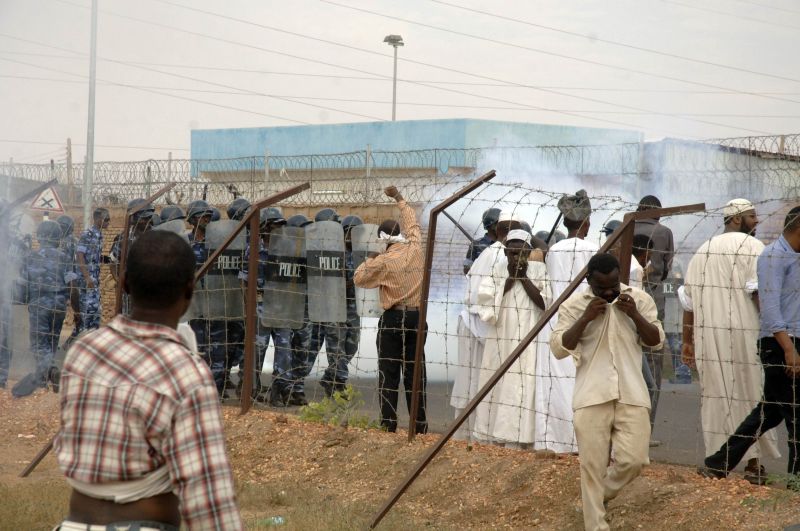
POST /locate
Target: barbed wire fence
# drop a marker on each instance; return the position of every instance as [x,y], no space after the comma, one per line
[530,181]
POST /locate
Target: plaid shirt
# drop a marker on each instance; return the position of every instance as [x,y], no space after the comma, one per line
[134,399]
[398,270]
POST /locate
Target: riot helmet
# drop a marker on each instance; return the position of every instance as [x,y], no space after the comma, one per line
[557,237]
[524,225]
[171,212]
[147,212]
[348,222]
[327,214]
[197,209]
[298,220]
[271,215]
[542,235]
[215,215]
[238,208]
[610,226]
[67,225]
[48,232]
[490,218]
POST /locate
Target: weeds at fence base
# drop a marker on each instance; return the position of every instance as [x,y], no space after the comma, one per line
[341,409]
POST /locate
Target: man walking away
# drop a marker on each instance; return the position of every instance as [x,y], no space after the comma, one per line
[397,272]
[721,337]
[779,298]
[603,332]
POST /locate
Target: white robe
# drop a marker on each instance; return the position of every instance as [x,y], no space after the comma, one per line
[555,381]
[726,327]
[472,333]
[507,413]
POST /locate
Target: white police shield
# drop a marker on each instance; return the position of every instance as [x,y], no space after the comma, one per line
[178,226]
[223,288]
[325,272]
[365,240]
[284,298]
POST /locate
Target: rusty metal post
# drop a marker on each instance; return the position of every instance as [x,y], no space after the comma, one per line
[416,392]
[123,248]
[548,314]
[250,314]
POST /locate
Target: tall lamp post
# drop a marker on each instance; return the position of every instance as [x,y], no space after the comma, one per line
[394,41]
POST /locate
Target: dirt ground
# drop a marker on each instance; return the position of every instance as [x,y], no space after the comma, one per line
[321,477]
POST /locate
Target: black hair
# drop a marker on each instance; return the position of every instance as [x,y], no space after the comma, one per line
[571,224]
[160,265]
[792,221]
[649,202]
[641,243]
[602,263]
[390,227]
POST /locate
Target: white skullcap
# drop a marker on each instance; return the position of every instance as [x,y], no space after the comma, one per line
[519,234]
[736,207]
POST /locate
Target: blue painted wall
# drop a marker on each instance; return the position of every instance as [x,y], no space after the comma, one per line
[394,136]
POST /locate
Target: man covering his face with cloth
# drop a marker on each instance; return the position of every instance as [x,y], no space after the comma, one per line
[397,272]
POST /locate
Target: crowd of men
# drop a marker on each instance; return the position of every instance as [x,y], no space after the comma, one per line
[589,383]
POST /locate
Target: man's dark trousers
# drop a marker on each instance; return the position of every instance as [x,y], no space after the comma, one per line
[779,404]
[397,342]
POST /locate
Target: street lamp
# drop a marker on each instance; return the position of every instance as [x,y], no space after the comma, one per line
[394,41]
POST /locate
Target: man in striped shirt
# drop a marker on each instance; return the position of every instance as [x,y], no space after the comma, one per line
[397,272]
[141,440]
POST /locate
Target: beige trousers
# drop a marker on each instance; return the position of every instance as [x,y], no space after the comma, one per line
[599,428]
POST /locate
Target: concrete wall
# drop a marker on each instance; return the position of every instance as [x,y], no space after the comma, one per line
[393,136]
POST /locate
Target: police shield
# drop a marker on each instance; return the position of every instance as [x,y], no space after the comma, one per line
[364,239]
[178,226]
[285,279]
[325,272]
[224,292]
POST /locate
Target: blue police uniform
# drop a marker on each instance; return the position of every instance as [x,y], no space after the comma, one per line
[476,248]
[48,273]
[341,339]
[283,363]
[90,245]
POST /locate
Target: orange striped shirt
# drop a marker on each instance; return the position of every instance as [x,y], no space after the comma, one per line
[398,270]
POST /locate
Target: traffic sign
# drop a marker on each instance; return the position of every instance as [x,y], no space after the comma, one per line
[47,201]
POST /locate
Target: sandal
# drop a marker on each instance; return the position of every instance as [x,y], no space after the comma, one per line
[711,473]
[756,476]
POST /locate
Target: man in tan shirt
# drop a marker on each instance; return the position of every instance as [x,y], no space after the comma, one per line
[397,272]
[604,331]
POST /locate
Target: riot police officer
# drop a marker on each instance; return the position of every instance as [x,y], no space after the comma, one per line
[48,274]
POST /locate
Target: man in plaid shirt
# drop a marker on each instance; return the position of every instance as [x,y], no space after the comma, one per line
[141,439]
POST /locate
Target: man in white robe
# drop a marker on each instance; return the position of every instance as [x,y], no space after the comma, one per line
[512,300]
[472,330]
[720,330]
[555,381]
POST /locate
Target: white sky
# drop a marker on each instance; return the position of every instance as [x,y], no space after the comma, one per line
[756,38]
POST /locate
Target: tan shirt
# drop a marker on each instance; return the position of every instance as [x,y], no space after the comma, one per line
[398,270]
[608,357]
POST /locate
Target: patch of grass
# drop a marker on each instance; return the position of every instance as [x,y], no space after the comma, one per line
[341,409]
[33,504]
[308,507]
